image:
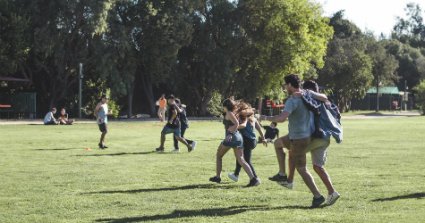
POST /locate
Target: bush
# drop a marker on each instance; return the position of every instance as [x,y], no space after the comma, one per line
[214,105]
[96,91]
[420,96]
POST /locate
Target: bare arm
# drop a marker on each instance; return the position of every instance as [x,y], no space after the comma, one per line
[259,129]
[242,124]
[235,121]
[96,110]
[319,96]
[277,118]
[174,115]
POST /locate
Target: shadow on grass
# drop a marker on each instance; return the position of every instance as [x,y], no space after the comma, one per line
[120,154]
[61,149]
[408,196]
[208,140]
[212,212]
[187,187]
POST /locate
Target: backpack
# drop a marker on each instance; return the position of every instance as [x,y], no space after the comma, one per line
[327,118]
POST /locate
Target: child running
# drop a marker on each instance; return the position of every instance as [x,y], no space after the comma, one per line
[233,140]
[247,124]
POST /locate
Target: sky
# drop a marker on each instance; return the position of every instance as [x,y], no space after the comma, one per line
[378,16]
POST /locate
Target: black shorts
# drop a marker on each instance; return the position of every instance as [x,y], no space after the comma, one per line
[103,128]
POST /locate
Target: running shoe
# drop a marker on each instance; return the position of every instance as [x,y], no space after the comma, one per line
[317,202]
[332,198]
[254,182]
[233,177]
[279,178]
[215,179]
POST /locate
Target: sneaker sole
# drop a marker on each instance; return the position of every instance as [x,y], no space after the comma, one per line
[333,201]
[285,185]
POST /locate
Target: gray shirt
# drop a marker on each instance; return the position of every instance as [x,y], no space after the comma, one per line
[299,118]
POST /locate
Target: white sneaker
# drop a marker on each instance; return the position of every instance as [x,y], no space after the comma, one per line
[287,185]
[233,177]
[332,198]
[175,151]
[193,145]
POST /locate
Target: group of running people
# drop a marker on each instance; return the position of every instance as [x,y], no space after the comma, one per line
[240,124]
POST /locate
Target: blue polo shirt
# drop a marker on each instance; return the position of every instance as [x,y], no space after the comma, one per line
[299,118]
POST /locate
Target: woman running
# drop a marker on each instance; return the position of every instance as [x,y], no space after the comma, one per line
[233,140]
[247,124]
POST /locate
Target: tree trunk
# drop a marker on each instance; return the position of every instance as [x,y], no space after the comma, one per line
[203,108]
[130,93]
[147,89]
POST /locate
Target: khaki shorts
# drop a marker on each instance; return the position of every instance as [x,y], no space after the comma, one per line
[318,148]
[299,150]
[285,141]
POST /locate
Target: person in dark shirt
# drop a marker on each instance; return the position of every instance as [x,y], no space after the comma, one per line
[173,125]
[271,133]
[184,124]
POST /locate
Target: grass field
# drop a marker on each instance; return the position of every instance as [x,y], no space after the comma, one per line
[48,176]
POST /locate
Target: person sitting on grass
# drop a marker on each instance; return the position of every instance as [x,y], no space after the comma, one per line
[271,133]
[63,118]
[49,119]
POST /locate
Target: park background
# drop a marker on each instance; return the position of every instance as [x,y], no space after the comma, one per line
[200,50]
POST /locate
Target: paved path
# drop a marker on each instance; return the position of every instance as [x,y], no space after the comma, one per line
[90,121]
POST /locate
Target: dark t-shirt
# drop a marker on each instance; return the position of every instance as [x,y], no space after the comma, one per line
[173,120]
[183,118]
[271,133]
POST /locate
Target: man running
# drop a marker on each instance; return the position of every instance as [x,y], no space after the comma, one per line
[184,124]
[299,133]
[173,125]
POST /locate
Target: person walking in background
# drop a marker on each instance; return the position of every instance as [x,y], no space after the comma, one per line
[162,103]
[63,118]
[49,118]
[101,112]
[184,124]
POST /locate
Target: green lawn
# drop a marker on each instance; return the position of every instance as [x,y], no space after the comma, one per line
[48,176]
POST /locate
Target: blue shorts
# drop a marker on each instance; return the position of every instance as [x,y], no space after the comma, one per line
[236,140]
[167,130]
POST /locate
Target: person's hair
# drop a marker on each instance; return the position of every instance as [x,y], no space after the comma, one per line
[311,85]
[177,101]
[171,96]
[103,96]
[292,79]
[274,123]
[53,109]
[244,110]
[229,104]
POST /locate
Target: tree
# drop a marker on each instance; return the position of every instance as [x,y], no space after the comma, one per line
[61,34]
[348,68]
[420,96]
[245,48]
[282,37]
[411,63]
[384,65]
[14,45]
[411,30]
[161,28]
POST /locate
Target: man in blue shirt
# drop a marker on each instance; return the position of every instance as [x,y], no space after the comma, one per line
[298,137]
